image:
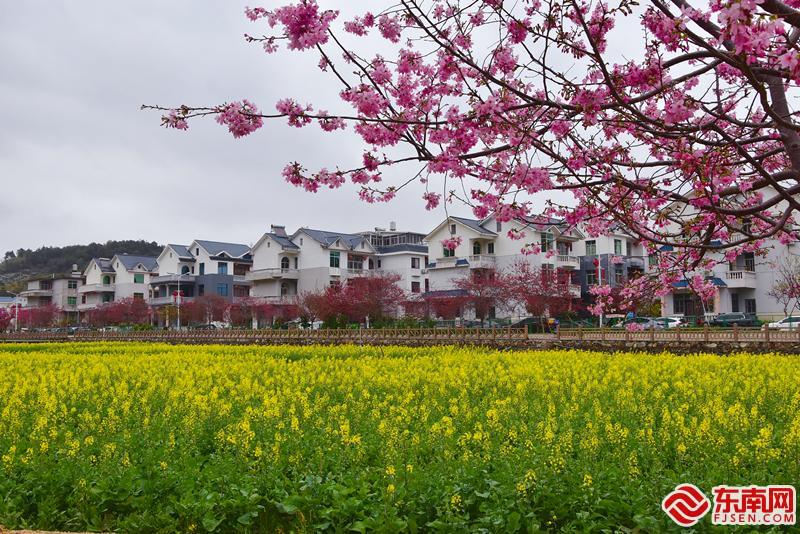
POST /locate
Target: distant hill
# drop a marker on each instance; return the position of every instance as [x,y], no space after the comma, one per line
[21,264]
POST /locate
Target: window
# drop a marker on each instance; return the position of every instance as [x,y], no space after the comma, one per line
[72,301]
[619,277]
[379,264]
[242,291]
[591,248]
[591,277]
[427,285]
[201,290]
[490,248]
[222,290]
[452,229]
[448,253]
[295,262]
[547,241]
[222,268]
[335,259]
[202,269]
[301,241]
[240,269]
[72,284]
[476,248]
[284,263]
[734,302]
[184,270]
[618,247]
[652,260]
[628,248]
[138,278]
[138,296]
[415,287]
[415,263]
[46,284]
[284,289]
[750,306]
[83,299]
[197,252]
[106,280]
[355,262]
[499,226]
[107,297]
[749,261]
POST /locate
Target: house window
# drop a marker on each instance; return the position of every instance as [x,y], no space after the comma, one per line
[355,262]
[202,269]
[591,248]
[618,275]
[107,297]
[371,264]
[72,301]
[415,263]
[197,252]
[106,280]
[83,299]
[240,269]
[284,263]
[284,289]
[547,241]
[749,261]
[618,247]
[652,260]
[415,287]
[295,262]
[222,268]
[72,284]
[452,229]
[591,277]
[335,259]
[628,248]
[750,306]
[735,302]
[138,278]
[241,291]
[222,290]
[448,253]
[201,290]
[499,226]
[490,248]
[301,241]
[427,285]
[334,283]
[379,264]
[138,296]
[476,248]
[184,270]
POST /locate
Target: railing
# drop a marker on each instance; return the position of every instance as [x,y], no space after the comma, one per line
[262,274]
[481,260]
[706,334]
[565,260]
[382,336]
[96,288]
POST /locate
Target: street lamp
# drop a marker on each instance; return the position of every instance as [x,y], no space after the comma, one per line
[178,297]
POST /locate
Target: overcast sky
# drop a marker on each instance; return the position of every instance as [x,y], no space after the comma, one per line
[79,162]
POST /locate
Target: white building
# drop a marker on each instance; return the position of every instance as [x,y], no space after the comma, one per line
[121,277]
[60,290]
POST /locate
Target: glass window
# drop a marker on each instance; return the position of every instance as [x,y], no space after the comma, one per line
[476,248]
[415,287]
[355,262]
[734,302]
[138,278]
[652,260]
[284,263]
[106,280]
[448,253]
[222,268]
[415,263]
[72,301]
[334,258]
[591,248]
[452,229]
[499,226]
[750,306]
[618,274]
[108,297]
[201,290]
[222,290]
[295,262]
[591,277]
[185,270]
[547,241]
[72,284]
[490,248]
[427,285]
[138,296]
[618,247]
[202,269]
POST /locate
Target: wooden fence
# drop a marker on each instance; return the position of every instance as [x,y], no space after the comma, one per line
[383,336]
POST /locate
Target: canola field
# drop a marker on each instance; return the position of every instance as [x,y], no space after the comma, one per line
[157,438]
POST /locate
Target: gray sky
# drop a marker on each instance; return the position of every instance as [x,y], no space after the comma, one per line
[79,162]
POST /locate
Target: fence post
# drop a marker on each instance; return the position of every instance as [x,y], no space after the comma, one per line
[705,332]
[678,333]
[766,334]
[652,334]
[736,333]
[580,333]
[602,333]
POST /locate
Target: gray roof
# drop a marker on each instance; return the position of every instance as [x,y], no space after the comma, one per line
[474,224]
[329,238]
[182,251]
[405,247]
[215,248]
[283,241]
[130,262]
[104,264]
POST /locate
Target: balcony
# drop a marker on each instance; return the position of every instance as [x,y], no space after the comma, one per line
[481,261]
[575,290]
[448,263]
[273,274]
[166,301]
[36,293]
[172,278]
[564,261]
[96,288]
[356,272]
[741,279]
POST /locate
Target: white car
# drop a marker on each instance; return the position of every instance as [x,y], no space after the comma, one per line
[786,323]
[671,322]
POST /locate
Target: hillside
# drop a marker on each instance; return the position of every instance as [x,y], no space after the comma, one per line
[24,263]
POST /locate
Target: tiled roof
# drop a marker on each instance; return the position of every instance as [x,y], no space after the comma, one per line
[406,247]
[104,264]
[328,238]
[474,224]
[215,248]
[445,293]
[130,262]
[182,251]
[283,241]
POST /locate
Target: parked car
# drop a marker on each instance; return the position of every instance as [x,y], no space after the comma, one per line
[645,323]
[208,326]
[731,319]
[672,322]
[785,323]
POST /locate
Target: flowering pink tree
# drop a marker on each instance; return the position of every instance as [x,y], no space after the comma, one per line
[685,137]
